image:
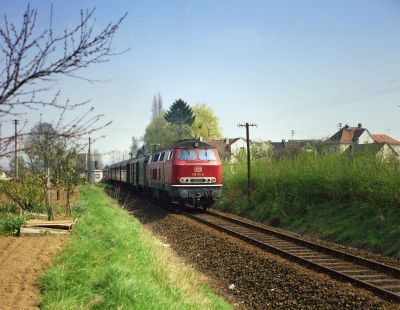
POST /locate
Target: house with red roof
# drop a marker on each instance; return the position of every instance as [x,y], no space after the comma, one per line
[346,137]
[386,139]
[356,139]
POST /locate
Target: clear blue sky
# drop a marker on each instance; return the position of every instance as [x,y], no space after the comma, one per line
[301,65]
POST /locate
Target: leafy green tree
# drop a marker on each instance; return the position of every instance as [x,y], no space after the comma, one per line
[180,115]
[206,123]
[159,133]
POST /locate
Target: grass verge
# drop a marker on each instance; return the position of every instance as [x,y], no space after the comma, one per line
[112,263]
[354,200]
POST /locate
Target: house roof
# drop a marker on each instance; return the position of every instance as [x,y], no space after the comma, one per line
[385,138]
[219,144]
[347,135]
[233,140]
[278,145]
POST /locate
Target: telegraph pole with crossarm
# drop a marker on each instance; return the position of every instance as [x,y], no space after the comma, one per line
[247,125]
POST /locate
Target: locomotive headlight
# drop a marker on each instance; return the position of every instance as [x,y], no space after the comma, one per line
[213,180]
[182,180]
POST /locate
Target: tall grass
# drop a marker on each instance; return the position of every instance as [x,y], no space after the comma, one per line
[112,263]
[296,192]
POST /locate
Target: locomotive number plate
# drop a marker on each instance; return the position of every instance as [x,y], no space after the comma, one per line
[198,169]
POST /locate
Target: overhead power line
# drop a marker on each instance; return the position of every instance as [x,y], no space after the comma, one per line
[366,92]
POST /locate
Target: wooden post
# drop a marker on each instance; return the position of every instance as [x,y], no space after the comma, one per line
[247,125]
[48,198]
[16,151]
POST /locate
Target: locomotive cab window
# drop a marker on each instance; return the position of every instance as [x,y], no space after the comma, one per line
[206,155]
[170,155]
[187,154]
[155,158]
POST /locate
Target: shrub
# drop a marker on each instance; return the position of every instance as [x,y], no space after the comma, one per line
[28,194]
[8,208]
[288,185]
[10,223]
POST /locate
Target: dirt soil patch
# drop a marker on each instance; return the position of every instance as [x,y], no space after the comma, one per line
[22,260]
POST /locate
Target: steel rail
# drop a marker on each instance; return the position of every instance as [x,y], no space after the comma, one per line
[381,279]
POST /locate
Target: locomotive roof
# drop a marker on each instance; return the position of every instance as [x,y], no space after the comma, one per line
[185,144]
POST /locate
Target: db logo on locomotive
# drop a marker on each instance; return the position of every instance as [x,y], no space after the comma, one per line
[198,169]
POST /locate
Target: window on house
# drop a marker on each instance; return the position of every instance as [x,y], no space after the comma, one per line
[170,154]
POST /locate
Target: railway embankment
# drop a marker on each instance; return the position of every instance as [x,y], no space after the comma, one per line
[353,200]
[249,277]
[112,263]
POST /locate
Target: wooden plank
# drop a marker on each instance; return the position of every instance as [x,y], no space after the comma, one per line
[61,224]
[39,216]
[28,231]
[53,221]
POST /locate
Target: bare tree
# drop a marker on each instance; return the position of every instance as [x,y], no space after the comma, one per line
[30,59]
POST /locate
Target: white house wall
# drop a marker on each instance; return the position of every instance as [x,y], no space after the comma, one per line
[237,146]
[396,147]
[365,138]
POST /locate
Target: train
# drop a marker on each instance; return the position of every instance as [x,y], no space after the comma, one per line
[188,172]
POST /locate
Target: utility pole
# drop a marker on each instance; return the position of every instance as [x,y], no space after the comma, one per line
[16,150]
[247,125]
[293,132]
[339,126]
[89,163]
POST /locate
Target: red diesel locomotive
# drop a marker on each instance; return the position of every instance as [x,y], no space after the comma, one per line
[187,172]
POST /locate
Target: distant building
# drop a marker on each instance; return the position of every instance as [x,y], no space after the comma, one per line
[97,167]
[228,148]
[359,139]
[386,139]
[346,137]
[381,150]
[293,147]
[97,175]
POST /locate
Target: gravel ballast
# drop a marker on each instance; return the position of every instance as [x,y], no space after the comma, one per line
[247,276]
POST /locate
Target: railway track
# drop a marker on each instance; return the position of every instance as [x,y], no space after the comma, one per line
[381,279]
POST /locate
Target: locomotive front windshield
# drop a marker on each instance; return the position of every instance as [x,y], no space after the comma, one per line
[187,155]
[206,155]
[194,154]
